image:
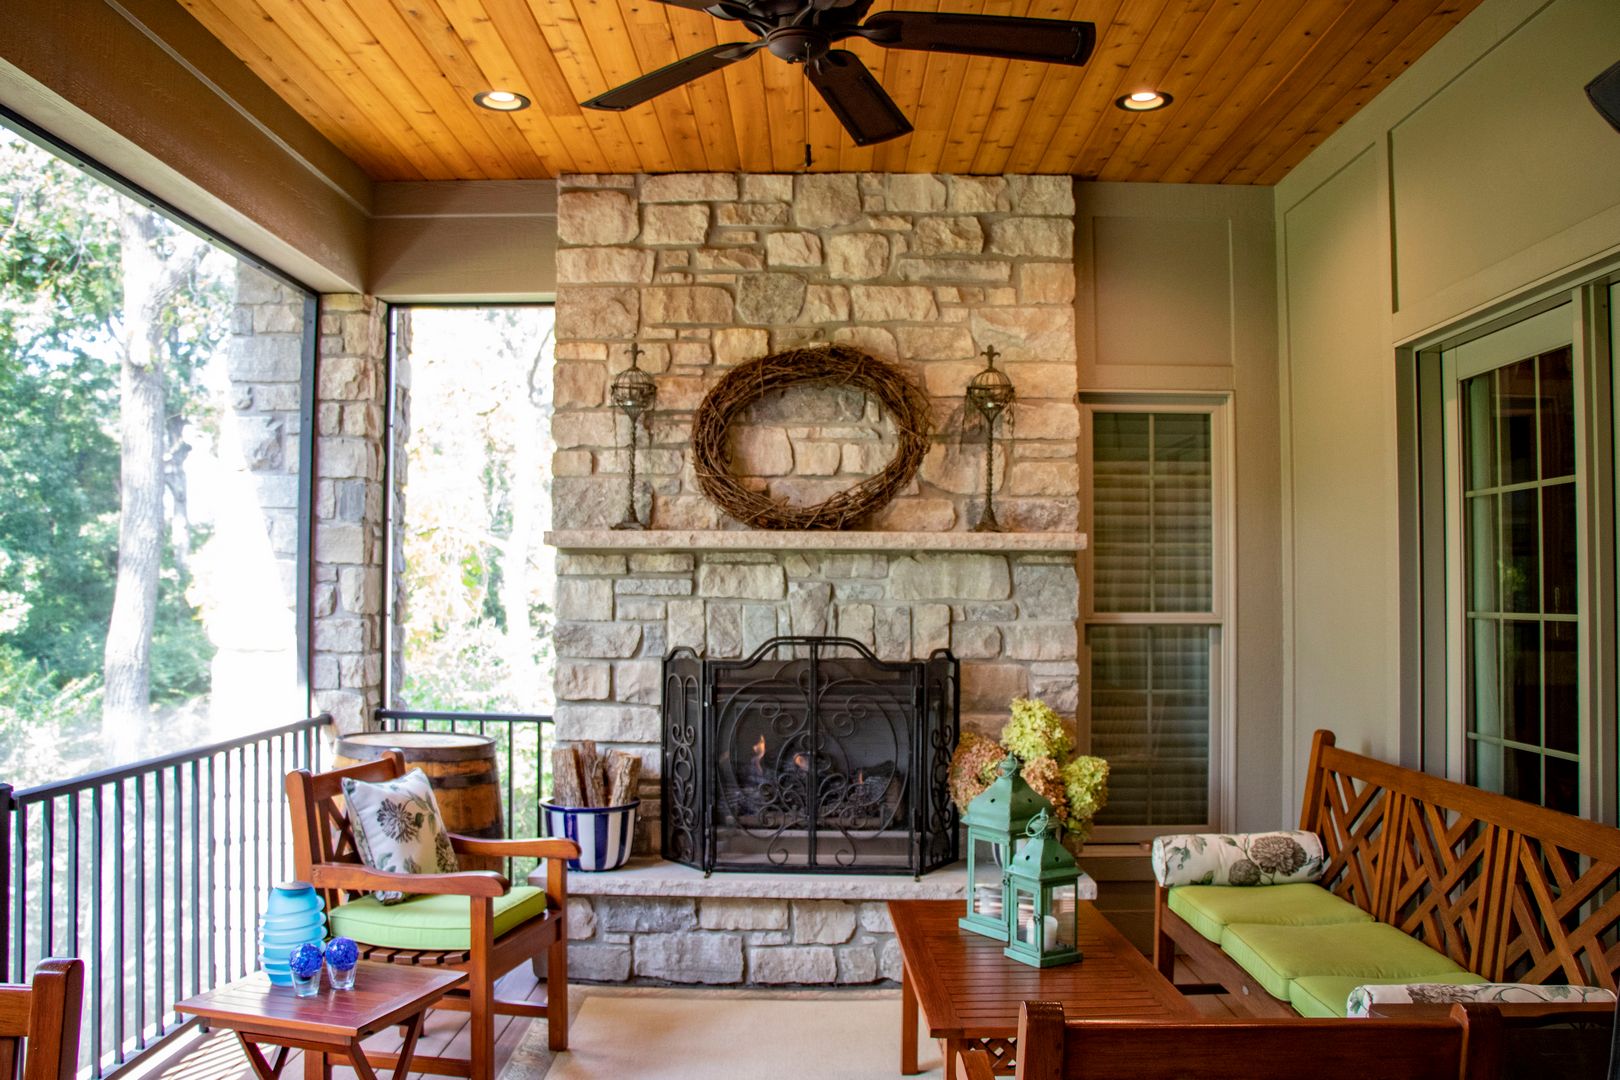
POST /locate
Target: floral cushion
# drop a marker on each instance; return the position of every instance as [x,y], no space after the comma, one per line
[1271,858]
[1363,998]
[397,828]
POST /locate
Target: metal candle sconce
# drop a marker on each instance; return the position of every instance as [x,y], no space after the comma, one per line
[990,393]
[633,393]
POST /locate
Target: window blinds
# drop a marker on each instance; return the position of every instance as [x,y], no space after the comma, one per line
[1152,549]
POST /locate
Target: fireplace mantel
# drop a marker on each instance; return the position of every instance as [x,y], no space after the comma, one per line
[821,540]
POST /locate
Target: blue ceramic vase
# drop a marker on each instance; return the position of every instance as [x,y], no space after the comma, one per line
[294,916]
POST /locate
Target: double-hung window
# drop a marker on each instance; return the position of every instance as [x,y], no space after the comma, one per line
[1155,609]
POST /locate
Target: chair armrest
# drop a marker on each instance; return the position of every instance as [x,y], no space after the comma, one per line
[354,878]
[976,1065]
[531,848]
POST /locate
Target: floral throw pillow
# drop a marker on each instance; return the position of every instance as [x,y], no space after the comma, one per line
[1363,998]
[397,828]
[1272,858]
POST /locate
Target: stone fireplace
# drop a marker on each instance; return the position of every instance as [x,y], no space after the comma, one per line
[810,755]
[705,271]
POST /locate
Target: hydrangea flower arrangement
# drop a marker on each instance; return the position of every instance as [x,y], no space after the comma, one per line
[1075,784]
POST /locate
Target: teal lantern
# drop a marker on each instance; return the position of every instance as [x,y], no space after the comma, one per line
[997,824]
[1043,900]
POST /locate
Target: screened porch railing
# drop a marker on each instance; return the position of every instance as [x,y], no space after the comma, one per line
[154,874]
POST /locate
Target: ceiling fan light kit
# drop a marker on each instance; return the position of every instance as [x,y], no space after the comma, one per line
[806,31]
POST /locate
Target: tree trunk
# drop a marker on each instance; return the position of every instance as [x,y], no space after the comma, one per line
[149,280]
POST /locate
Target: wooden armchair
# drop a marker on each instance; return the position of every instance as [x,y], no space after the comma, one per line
[1463,1045]
[39,1023]
[325,855]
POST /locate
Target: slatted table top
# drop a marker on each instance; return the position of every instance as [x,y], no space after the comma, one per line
[383,994]
[969,990]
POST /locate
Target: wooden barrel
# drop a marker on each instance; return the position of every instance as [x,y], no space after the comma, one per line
[461,768]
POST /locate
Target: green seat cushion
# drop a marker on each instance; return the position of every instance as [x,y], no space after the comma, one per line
[1277,955]
[1210,909]
[430,922]
[1328,996]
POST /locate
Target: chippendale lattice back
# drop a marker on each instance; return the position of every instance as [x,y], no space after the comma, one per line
[330,838]
[1513,891]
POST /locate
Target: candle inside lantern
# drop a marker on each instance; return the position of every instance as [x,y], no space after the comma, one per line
[1049,933]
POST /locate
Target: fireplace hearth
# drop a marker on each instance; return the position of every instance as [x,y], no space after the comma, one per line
[811,755]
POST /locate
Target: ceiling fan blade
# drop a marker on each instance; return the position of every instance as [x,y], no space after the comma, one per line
[670,76]
[1051,41]
[865,109]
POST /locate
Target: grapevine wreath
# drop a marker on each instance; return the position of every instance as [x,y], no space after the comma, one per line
[827,365]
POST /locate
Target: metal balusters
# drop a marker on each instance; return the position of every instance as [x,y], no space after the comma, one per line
[141,863]
[99,968]
[121,983]
[196,880]
[47,892]
[159,954]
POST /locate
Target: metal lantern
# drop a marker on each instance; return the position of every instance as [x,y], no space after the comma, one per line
[990,393]
[633,393]
[1043,900]
[997,824]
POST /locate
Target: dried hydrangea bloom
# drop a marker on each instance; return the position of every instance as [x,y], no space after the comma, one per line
[973,767]
[1035,731]
[1043,775]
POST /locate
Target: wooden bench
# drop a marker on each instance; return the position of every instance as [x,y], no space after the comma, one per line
[1509,890]
[1464,1044]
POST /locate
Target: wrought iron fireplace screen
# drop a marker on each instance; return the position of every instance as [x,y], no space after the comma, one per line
[810,755]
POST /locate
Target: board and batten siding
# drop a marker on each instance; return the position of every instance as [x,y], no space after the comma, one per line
[1478,177]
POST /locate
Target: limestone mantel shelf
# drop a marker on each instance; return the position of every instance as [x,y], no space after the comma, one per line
[819,540]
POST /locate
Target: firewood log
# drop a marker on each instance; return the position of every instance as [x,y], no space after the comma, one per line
[591,775]
[624,772]
[566,789]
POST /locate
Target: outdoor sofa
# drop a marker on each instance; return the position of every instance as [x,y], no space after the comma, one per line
[1396,877]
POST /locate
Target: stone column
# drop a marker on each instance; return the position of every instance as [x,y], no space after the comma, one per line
[351,392]
[249,562]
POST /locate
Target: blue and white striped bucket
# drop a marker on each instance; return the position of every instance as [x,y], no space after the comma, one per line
[604,834]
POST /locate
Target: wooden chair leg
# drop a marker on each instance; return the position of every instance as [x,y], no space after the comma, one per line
[557,994]
[481,992]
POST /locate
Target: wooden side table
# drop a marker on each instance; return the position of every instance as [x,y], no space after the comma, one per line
[330,1023]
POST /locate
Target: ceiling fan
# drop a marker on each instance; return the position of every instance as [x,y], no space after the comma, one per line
[805,31]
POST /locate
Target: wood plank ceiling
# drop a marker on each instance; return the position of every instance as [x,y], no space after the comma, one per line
[1257,84]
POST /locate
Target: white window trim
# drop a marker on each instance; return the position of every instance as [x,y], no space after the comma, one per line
[1223,610]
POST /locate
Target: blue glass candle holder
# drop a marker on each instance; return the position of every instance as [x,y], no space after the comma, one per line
[293,916]
[305,963]
[342,954]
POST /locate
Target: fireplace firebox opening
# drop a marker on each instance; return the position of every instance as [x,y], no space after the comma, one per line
[811,755]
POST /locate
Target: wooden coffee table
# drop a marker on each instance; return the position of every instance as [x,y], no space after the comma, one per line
[970,993]
[330,1023]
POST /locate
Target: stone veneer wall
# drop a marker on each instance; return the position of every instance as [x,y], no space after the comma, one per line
[704,271]
[352,386]
[715,940]
[255,539]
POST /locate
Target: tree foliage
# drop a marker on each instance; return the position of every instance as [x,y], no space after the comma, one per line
[61,293]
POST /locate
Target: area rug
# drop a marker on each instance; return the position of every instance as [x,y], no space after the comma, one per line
[708,1037]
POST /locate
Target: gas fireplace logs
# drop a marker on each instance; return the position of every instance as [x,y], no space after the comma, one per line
[581,777]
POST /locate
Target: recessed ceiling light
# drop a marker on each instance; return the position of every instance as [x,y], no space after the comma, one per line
[1144,101]
[501,100]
